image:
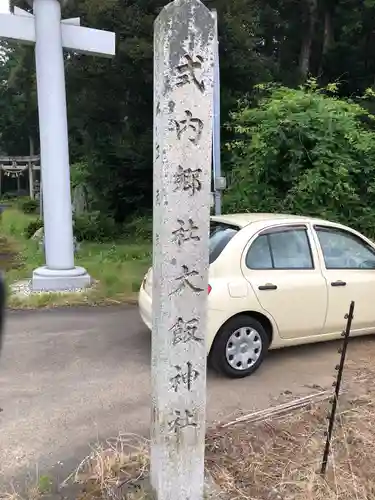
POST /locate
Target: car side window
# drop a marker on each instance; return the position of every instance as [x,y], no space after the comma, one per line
[259,254]
[281,249]
[344,250]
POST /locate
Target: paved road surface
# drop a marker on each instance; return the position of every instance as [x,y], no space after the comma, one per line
[69,377]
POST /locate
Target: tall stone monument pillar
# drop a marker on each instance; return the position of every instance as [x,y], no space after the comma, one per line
[183,102]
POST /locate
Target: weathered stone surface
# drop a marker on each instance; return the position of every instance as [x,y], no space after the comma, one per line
[79,202]
[38,235]
[183,88]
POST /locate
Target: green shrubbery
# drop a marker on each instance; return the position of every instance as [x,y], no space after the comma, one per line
[94,226]
[28,205]
[139,228]
[304,151]
[32,227]
[10,195]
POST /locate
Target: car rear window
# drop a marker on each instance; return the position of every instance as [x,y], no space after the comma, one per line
[220,236]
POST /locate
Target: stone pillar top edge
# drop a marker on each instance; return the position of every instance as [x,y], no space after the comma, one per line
[63,2]
[183,4]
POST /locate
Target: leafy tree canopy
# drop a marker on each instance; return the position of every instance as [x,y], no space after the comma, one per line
[304,151]
[110,101]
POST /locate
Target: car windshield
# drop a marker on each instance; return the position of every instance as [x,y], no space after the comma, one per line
[220,236]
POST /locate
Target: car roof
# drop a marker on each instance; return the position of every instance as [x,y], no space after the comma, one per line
[244,219]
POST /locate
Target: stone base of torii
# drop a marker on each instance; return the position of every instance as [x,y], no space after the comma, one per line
[50,34]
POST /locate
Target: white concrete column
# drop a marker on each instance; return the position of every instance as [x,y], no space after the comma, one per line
[59,272]
[53,126]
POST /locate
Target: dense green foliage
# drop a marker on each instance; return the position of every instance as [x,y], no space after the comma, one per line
[29,206]
[94,226]
[32,227]
[302,151]
[284,41]
[91,226]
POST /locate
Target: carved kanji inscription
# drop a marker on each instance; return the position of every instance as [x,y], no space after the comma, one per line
[185,232]
[190,125]
[188,179]
[184,378]
[188,72]
[185,331]
[185,281]
[182,420]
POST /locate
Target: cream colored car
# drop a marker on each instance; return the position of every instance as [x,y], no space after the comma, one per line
[277,281]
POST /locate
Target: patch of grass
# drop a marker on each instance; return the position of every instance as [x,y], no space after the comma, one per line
[36,491]
[13,222]
[45,485]
[119,468]
[117,267]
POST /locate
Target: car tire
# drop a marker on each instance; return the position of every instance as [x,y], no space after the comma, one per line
[228,355]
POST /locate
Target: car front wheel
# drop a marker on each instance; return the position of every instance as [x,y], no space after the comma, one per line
[239,347]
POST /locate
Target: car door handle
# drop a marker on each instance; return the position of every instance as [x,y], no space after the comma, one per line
[338,283]
[267,286]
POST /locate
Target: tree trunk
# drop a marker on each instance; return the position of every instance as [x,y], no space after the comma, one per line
[328,36]
[31,173]
[305,54]
[31,146]
[328,31]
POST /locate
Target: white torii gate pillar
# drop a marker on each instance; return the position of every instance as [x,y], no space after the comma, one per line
[50,34]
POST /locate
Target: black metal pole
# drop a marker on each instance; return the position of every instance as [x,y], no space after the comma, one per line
[337,384]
